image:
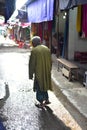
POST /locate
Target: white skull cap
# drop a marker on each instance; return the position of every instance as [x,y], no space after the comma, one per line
[36,39]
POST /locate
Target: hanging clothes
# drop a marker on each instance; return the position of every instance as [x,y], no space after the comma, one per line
[40,30]
[22,15]
[79,19]
[29,2]
[84,21]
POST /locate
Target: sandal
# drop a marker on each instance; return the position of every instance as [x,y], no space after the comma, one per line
[40,105]
[47,102]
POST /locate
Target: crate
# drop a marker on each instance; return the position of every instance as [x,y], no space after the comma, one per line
[65,72]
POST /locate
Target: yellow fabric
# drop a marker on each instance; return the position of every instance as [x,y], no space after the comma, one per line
[40,65]
[78,22]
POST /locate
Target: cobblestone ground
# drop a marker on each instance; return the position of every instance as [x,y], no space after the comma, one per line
[17,109]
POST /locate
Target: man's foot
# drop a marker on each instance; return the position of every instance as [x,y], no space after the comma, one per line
[47,102]
[40,105]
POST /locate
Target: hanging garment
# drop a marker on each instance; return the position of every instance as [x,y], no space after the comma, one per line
[67,4]
[40,11]
[40,30]
[84,20]
[22,15]
[79,19]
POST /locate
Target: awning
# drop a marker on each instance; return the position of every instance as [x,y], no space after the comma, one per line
[40,10]
[36,11]
[22,12]
[29,2]
[67,4]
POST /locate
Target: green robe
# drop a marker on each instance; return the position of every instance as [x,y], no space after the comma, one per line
[40,64]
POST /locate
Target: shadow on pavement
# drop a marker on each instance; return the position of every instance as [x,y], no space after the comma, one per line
[7,93]
[2,102]
[48,121]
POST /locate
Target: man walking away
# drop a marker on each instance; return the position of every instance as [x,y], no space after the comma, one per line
[40,64]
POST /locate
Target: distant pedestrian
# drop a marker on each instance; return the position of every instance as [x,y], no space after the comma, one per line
[40,67]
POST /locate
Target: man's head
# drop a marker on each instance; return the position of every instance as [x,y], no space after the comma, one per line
[36,40]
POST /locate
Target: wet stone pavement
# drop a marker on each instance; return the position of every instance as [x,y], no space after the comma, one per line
[17,108]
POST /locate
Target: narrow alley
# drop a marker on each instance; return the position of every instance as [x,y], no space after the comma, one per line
[17,99]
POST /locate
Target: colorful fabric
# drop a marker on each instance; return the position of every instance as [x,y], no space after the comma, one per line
[40,65]
[84,20]
[79,19]
[40,30]
[22,15]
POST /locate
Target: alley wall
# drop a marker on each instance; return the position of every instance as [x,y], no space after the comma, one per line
[75,43]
